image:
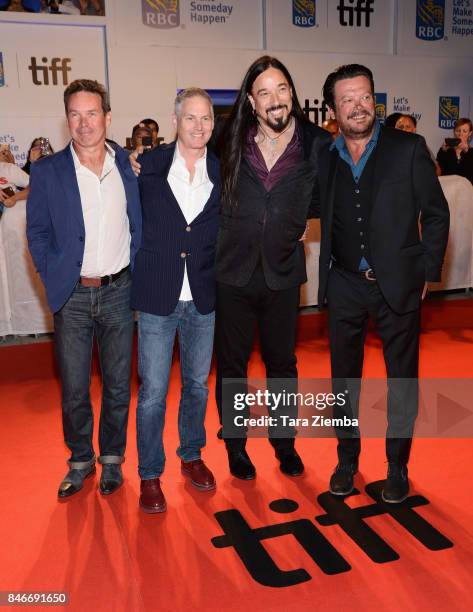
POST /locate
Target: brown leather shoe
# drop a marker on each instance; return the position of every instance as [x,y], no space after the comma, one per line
[152,498]
[200,475]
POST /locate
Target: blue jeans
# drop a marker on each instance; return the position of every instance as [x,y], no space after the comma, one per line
[156,335]
[103,312]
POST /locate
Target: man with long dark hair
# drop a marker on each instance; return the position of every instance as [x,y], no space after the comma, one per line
[269,172]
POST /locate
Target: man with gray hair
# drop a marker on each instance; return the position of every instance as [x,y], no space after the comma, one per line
[173,290]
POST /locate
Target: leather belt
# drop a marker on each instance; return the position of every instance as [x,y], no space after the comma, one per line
[368,275]
[102,281]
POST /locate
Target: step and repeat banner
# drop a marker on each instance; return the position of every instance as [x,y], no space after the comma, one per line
[420,52]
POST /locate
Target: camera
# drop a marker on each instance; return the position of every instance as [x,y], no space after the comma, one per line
[44,147]
[147,142]
[452,142]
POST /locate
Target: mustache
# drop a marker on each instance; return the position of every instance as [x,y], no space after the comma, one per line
[275,108]
[358,113]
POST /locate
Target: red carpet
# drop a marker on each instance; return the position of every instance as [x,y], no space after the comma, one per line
[107,555]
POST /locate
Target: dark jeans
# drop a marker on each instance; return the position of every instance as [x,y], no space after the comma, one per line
[352,301]
[103,312]
[238,311]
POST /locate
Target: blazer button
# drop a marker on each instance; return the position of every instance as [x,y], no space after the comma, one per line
[81,238]
[188,228]
[183,255]
[79,264]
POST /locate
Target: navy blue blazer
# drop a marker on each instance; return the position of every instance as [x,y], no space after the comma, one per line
[169,241]
[55,224]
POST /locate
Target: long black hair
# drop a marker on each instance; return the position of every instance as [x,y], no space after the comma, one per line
[233,137]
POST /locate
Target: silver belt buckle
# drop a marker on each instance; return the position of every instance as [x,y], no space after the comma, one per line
[369,274]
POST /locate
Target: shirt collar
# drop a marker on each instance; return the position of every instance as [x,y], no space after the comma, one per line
[108,149]
[178,157]
[340,143]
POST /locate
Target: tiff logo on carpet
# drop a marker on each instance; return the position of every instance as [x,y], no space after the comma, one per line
[247,541]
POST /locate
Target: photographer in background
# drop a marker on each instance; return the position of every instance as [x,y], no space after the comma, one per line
[153,128]
[141,138]
[40,147]
[455,156]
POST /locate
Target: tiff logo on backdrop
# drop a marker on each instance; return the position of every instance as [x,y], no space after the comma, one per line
[353,10]
[58,66]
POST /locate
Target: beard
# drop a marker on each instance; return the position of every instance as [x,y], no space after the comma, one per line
[279,124]
[357,132]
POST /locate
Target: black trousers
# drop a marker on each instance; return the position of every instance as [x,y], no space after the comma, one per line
[239,310]
[352,301]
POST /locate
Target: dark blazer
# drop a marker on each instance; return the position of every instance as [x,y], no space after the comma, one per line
[169,242]
[270,223]
[55,224]
[404,187]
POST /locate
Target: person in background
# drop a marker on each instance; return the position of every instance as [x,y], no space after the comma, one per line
[12,177]
[392,119]
[139,132]
[407,123]
[153,128]
[331,126]
[458,159]
[40,147]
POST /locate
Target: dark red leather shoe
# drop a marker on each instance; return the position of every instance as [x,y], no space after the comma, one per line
[152,498]
[200,475]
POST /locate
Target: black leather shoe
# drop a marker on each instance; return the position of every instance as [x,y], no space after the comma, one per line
[396,487]
[240,464]
[290,461]
[341,482]
[111,478]
[74,479]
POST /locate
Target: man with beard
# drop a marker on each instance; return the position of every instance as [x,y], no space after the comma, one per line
[375,185]
[268,167]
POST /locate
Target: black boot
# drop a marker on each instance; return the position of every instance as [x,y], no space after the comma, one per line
[396,487]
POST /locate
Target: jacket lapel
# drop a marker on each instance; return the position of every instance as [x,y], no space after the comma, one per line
[129,182]
[382,153]
[334,160]
[66,176]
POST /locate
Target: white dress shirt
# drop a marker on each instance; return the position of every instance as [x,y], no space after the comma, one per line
[190,195]
[107,229]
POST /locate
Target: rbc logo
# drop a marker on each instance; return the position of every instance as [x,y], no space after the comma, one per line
[303,13]
[380,101]
[449,111]
[430,18]
[163,14]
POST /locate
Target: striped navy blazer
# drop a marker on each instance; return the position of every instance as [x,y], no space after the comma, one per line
[169,241]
